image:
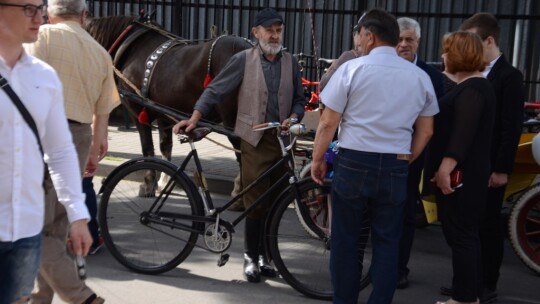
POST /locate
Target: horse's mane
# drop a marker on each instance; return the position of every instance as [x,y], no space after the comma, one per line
[107,29]
[238,43]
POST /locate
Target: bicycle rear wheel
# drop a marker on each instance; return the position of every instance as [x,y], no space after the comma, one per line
[302,256]
[140,244]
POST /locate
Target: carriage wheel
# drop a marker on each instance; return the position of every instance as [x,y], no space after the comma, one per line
[524,228]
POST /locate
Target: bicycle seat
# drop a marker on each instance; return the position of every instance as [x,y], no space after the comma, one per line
[198,134]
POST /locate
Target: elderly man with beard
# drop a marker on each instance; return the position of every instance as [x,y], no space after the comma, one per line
[268,83]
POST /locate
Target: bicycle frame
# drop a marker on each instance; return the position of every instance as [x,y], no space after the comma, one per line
[212,213]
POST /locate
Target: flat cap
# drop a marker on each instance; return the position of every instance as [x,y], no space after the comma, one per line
[267,17]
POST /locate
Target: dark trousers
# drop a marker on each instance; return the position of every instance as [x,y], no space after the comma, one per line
[91,204]
[460,217]
[409,222]
[56,271]
[375,182]
[255,160]
[492,238]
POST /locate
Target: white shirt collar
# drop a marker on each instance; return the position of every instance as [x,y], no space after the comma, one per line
[383,50]
[490,66]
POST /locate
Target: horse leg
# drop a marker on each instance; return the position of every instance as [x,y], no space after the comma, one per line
[145,136]
[165,139]
[165,146]
[148,187]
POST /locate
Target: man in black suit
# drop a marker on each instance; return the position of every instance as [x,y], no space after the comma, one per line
[508,84]
[409,39]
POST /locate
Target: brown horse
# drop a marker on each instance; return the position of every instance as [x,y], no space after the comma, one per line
[167,69]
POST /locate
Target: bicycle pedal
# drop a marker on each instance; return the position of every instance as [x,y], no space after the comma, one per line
[223,259]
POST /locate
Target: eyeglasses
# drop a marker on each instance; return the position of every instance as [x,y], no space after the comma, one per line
[29,9]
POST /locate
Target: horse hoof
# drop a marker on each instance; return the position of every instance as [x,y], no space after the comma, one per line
[145,192]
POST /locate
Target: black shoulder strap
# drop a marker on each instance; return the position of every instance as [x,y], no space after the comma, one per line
[24,112]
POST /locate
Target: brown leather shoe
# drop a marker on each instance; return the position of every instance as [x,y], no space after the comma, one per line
[98,300]
[93,299]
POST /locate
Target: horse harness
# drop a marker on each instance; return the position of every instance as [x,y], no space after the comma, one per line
[132,33]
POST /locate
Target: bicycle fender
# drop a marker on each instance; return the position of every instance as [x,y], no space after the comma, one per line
[138,160]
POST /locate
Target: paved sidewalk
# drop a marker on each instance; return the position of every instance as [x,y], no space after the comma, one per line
[199,280]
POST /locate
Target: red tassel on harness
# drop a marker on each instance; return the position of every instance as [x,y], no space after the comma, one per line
[207,80]
[143,117]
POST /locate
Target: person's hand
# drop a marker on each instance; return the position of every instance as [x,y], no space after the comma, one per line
[183,126]
[188,125]
[318,171]
[79,241]
[287,122]
[497,180]
[91,165]
[442,180]
[103,148]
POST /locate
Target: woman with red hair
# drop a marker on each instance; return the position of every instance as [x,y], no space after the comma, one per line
[460,155]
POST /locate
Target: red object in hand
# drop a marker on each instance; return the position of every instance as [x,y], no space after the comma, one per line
[456,178]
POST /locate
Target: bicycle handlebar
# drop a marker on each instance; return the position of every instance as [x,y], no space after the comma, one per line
[296,129]
[266,126]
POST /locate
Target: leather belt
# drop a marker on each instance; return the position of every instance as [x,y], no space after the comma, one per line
[403,157]
[406,157]
[74,122]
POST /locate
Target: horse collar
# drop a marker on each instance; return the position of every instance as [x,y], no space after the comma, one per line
[152,61]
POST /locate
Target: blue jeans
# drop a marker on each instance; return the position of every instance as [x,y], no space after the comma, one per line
[91,204]
[377,182]
[19,262]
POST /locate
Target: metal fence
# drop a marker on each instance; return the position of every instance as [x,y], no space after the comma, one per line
[322,28]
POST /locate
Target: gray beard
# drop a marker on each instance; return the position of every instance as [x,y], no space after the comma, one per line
[269,50]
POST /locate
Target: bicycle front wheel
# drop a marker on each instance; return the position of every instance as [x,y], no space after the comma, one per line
[130,198]
[300,242]
[301,258]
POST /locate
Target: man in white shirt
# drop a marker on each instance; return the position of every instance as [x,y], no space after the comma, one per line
[21,177]
[376,144]
[89,96]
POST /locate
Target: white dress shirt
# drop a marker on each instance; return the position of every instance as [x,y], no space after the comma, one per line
[490,66]
[21,194]
[380,96]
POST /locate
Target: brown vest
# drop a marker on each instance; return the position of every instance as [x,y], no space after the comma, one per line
[253,96]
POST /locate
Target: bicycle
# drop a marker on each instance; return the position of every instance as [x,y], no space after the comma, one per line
[151,228]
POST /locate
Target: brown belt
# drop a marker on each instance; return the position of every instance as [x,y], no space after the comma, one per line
[403,156]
